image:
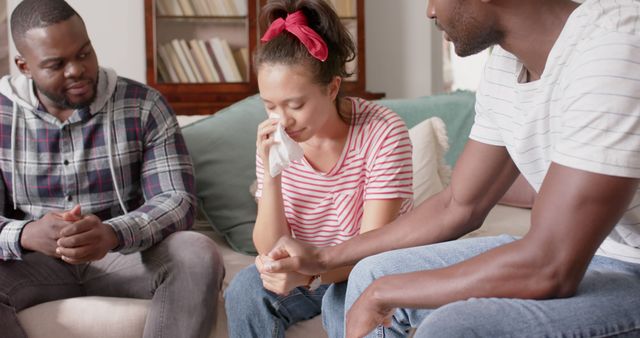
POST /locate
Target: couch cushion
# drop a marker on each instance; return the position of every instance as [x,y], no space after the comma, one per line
[223,150]
[86,317]
[456,109]
[430,172]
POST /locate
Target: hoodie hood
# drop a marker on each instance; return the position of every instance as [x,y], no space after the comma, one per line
[21,91]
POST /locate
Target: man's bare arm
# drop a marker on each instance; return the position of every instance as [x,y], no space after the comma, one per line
[573,214]
[482,175]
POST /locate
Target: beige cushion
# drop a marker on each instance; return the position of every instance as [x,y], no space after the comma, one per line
[86,317]
[430,171]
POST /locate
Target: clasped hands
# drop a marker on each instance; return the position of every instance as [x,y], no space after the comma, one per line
[70,236]
[291,263]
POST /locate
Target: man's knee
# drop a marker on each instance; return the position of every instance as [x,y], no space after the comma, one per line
[368,270]
[195,254]
[469,318]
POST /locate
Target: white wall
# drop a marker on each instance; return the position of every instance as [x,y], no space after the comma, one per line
[466,72]
[404,52]
[116,29]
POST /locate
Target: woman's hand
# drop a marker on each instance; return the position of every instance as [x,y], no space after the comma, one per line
[264,139]
[279,283]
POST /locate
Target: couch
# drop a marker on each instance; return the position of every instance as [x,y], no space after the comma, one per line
[223,149]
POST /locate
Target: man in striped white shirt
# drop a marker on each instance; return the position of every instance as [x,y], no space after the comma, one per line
[560,103]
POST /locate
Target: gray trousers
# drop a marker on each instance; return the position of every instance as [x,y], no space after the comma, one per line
[182,276]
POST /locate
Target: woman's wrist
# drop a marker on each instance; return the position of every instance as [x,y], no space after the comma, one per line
[268,180]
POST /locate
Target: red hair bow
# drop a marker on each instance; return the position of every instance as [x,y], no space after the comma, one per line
[297,24]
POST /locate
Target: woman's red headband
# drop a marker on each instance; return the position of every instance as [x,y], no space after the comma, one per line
[296,24]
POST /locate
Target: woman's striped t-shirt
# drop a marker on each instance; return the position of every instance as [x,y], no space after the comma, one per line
[326,209]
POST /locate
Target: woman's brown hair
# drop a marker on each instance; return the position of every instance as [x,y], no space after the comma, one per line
[288,50]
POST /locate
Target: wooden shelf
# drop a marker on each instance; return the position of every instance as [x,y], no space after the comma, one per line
[207,98]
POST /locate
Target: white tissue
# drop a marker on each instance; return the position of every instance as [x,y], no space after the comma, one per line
[284,151]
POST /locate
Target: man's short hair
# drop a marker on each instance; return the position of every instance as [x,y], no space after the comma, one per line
[30,14]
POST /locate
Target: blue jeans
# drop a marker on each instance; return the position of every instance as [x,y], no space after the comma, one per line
[253,311]
[607,302]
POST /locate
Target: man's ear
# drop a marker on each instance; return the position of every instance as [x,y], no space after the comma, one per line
[22,65]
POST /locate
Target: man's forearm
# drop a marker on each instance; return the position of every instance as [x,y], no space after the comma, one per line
[149,224]
[435,220]
[508,271]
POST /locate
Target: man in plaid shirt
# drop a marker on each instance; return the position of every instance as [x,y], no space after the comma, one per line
[97,185]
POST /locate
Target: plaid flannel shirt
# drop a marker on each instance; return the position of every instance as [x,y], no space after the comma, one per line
[61,164]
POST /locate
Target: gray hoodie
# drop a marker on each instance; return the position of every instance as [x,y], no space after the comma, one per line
[21,91]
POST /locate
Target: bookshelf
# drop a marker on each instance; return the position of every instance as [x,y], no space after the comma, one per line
[198,51]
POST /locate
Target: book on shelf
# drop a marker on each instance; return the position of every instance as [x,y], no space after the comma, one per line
[214,60]
[161,8]
[344,8]
[199,61]
[220,57]
[191,61]
[203,67]
[225,59]
[163,73]
[172,7]
[241,6]
[214,7]
[241,56]
[175,63]
[177,47]
[225,6]
[209,61]
[200,8]
[186,7]
[228,54]
[168,65]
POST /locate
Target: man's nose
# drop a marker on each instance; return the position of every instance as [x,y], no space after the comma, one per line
[74,70]
[431,10]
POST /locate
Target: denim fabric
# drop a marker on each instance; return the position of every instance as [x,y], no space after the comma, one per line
[606,303]
[182,276]
[253,311]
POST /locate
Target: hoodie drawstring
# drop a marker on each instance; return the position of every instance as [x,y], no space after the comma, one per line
[110,154]
[14,126]
[14,173]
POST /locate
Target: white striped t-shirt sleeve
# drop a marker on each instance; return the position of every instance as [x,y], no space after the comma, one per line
[601,125]
[485,128]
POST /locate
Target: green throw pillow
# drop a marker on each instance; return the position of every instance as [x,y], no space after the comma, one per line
[456,109]
[223,149]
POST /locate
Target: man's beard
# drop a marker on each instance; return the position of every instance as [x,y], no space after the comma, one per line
[63,102]
[478,43]
[474,36]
